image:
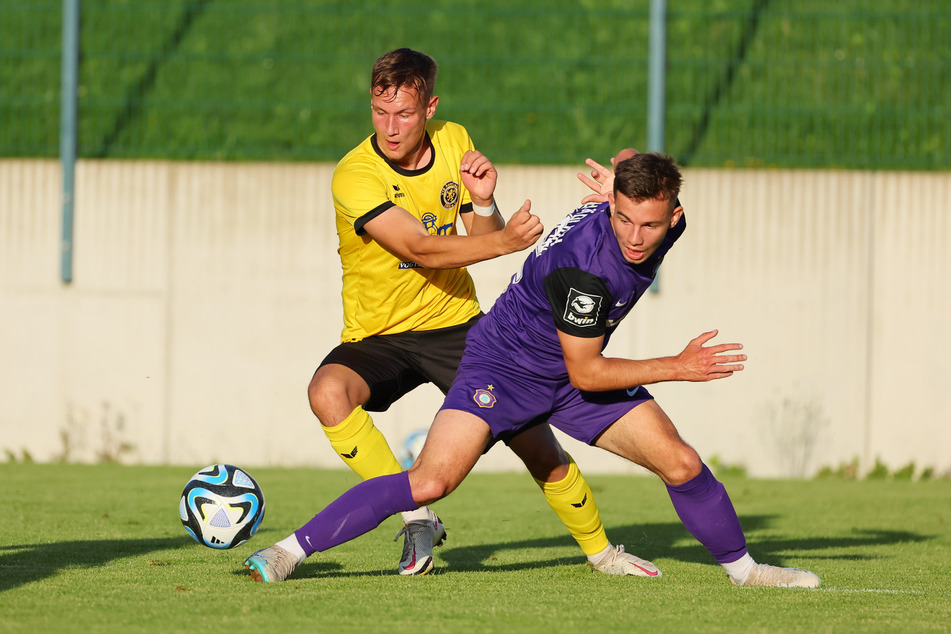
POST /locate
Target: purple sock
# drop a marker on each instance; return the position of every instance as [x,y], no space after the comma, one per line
[707,512]
[358,511]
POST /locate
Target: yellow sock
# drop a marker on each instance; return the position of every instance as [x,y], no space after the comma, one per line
[572,499]
[362,447]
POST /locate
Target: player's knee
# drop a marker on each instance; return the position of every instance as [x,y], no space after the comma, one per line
[542,455]
[549,467]
[429,489]
[326,394]
[685,467]
[317,394]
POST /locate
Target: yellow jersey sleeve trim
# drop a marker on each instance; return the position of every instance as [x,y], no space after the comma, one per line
[370,215]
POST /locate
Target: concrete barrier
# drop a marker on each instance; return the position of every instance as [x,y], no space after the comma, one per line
[205,295]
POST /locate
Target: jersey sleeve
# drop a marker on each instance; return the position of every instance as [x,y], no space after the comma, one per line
[359,193]
[579,302]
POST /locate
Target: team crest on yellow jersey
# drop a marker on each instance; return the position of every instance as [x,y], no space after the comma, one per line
[449,196]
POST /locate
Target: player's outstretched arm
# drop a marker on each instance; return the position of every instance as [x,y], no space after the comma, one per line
[402,234]
[590,371]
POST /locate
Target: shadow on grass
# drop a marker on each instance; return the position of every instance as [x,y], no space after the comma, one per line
[654,541]
[651,541]
[25,563]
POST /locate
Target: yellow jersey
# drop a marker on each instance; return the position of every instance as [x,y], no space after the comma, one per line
[383,295]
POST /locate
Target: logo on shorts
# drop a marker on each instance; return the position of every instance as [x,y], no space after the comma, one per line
[582,308]
[484,398]
[449,195]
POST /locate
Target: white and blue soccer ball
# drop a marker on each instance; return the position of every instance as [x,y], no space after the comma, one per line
[222,506]
[412,445]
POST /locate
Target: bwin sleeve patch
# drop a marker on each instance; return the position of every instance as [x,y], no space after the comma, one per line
[581,313]
[582,309]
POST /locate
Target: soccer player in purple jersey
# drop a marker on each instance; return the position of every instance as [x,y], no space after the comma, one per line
[536,358]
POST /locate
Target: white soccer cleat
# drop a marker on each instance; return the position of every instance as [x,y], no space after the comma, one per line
[271,564]
[618,562]
[777,577]
[421,536]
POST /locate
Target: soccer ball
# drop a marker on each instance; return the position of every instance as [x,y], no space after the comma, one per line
[222,506]
[412,445]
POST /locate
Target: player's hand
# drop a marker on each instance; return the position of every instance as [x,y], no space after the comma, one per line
[601,180]
[699,363]
[522,230]
[479,177]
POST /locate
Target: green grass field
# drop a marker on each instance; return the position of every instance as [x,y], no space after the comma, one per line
[101,549]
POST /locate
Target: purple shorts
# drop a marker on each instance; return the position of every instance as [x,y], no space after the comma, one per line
[511,400]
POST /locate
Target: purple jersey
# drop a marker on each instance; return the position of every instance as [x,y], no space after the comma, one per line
[576,281]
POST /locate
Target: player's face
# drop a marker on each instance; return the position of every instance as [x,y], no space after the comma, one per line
[399,120]
[640,227]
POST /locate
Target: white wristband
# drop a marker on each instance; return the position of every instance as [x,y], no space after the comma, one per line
[484,211]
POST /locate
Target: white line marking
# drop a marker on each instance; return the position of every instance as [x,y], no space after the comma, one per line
[870,590]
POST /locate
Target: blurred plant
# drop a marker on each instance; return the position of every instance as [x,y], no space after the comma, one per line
[722,469]
[845,471]
[905,473]
[112,445]
[793,429]
[878,472]
[25,455]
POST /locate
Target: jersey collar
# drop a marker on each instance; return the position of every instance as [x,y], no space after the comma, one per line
[402,170]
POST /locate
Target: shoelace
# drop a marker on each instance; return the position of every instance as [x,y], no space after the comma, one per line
[411,529]
[282,563]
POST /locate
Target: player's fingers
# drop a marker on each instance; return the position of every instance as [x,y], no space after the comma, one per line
[470,155]
[590,182]
[597,169]
[732,358]
[521,216]
[533,222]
[703,338]
[725,347]
[531,230]
[719,375]
[472,158]
[478,166]
[726,370]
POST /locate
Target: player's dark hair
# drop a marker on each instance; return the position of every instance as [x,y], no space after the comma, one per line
[405,67]
[647,177]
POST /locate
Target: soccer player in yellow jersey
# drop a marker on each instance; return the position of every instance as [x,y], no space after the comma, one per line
[409,302]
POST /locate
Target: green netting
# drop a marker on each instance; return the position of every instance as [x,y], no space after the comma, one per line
[795,83]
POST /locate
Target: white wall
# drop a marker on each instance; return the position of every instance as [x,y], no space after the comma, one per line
[205,295]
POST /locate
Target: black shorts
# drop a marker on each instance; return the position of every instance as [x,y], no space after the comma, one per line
[394,365]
